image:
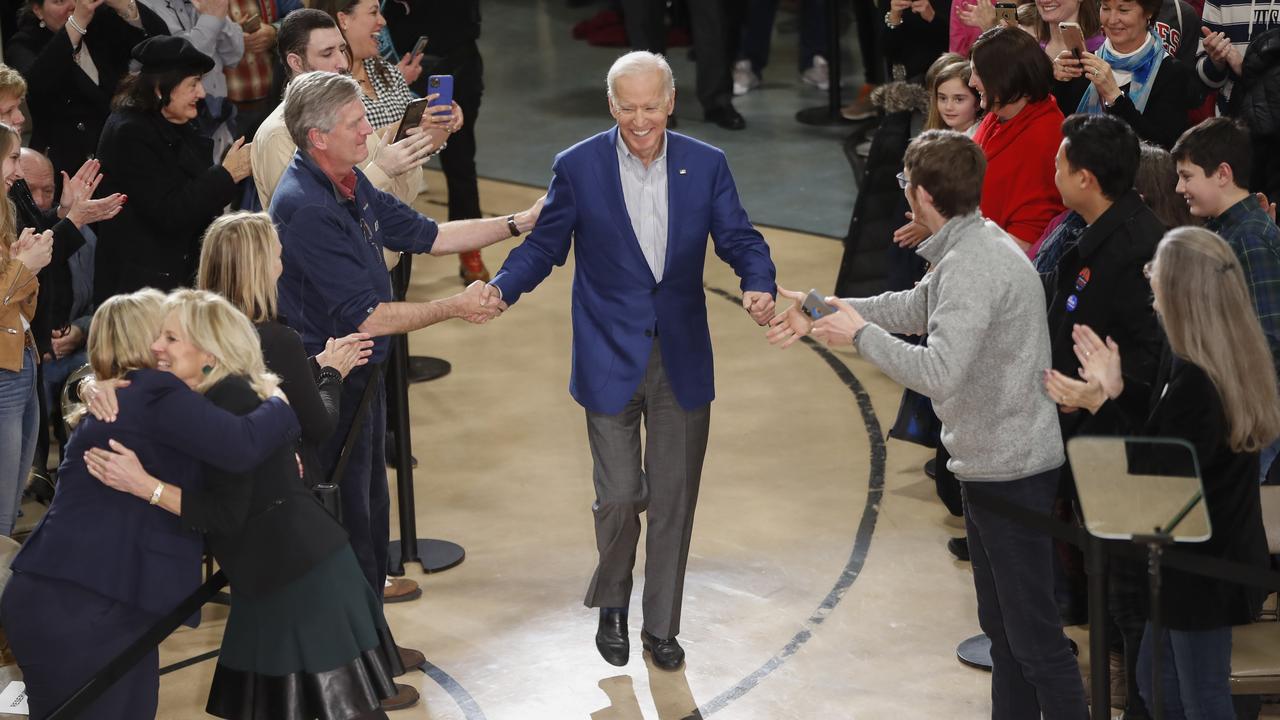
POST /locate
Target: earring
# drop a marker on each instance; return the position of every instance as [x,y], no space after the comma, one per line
[206,369]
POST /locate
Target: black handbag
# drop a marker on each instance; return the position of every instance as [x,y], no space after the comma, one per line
[916,422]
[327,492]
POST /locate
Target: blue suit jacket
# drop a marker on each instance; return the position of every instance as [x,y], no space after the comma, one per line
[617,303]
[118,545]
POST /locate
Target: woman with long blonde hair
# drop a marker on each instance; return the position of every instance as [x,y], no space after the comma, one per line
[1216,389]
[21,259]
[240,260]
[306,636]
[102,567]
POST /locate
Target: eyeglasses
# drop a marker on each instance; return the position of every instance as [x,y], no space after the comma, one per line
[903,181]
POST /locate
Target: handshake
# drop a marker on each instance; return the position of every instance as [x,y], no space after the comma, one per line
[479,303]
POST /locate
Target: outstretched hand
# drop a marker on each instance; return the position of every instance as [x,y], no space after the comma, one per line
[479,303]
[838,328]
[792,324]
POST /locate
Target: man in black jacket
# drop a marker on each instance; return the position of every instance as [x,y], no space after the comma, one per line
[1097,280]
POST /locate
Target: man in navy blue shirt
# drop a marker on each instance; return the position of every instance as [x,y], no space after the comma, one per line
[333,226]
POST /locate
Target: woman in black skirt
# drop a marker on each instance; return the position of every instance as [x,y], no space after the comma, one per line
[306,637]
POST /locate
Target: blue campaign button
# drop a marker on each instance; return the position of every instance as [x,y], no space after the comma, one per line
[1072,302]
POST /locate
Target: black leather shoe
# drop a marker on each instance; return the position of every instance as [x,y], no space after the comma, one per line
[611,638]
[667,654]
[931,469]
[727,118]
[959,547]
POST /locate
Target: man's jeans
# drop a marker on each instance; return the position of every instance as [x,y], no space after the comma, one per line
[1196,668]
[19,422]
[1033,672]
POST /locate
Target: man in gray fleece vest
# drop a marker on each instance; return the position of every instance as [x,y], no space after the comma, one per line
[982,306]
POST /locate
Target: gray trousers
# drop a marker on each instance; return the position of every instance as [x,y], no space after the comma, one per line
[661,482]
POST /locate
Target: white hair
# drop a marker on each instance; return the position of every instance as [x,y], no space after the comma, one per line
[312,100]
[637,63]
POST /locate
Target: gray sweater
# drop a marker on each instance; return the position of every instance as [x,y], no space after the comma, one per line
[983,308]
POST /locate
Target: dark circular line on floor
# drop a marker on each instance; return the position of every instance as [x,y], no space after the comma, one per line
[861,542]
[470,708]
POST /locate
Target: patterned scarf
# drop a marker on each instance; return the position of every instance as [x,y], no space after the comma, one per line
[1142,64]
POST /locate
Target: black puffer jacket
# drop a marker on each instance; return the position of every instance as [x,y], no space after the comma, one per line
[1256,100]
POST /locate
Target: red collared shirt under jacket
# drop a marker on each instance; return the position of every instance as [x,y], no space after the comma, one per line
[1018,193]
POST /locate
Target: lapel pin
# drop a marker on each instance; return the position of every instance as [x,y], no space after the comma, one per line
[683,171]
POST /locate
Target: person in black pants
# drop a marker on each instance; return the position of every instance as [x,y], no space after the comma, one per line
[453,29]
[646,29]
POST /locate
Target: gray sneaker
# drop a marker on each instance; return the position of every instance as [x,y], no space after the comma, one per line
[744,80]
[817,74]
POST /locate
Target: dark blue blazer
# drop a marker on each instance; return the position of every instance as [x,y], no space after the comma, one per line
[617,303]
[118,545]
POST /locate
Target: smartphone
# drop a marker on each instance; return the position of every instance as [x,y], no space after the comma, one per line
[420,46]
[251,24]
[816,307]
[1007,12]
[1074,38]
[442,84]
[412,117]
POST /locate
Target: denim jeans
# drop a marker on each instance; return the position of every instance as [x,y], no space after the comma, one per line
[757,32]
[1033,672]
[1265,458]
[1196,674]
[19,423]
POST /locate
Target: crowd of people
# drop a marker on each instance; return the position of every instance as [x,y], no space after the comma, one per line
[211,194]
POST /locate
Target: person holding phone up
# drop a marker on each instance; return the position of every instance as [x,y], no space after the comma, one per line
[1131,76]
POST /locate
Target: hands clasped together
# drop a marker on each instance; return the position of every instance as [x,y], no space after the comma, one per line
[1100,375]
[1098,71]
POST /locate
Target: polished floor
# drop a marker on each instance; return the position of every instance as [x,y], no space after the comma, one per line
[818,585]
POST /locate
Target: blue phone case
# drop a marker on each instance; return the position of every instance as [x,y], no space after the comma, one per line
[442,84]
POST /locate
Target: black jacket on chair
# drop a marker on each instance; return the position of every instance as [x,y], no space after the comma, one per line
[1185,404]
[263,527]
[1099,283]
[68,109]
[174,193]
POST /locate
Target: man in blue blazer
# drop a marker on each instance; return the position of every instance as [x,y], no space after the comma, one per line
[640,202]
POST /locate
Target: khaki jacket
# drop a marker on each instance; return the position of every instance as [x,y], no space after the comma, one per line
[19,287]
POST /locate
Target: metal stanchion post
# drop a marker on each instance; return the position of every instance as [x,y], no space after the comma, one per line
[1099,651]
[829,114]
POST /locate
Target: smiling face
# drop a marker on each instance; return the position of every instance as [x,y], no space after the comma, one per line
[362,27]
[641,104]
[1204,193]
[1125,24]
[344,146]
[54,13]
[1069,181]
[38,172]
[1056,11]
[11,167]
[956,104]
[175,353]
[184,100]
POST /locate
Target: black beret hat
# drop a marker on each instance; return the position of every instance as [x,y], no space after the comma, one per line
[166,52]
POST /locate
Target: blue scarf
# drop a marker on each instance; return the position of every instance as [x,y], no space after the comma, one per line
[1143,65]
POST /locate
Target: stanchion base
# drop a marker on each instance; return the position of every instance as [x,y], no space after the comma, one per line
[434,556]
[423,368]
[821,116]
[975,652]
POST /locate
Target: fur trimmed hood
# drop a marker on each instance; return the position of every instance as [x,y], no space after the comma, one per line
[901,97]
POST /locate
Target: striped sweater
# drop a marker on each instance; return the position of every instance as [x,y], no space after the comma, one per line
[1241,20]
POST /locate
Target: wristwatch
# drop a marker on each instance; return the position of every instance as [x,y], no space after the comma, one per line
[1109,105]
[512,226]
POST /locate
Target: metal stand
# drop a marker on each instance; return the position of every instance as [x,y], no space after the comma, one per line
[433,555]
[1099,651]
[423,368]
[1156,543]
[975,652]
[828,114]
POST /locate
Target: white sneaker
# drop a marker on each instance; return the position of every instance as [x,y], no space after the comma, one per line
[744,80]
[817,75]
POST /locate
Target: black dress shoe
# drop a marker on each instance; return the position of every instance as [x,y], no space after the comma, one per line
[931,469]
[667,654]
[959,547]
[727,118]
[611,638]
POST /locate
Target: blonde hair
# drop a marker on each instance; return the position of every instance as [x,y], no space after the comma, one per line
[9,141]
[1211,322]
[12,83]
[122,332]
[958,69]
[214,326]
[236,260]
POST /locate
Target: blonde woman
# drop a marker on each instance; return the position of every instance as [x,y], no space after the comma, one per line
[240,261]
[102,567]
[21,258]
[1216,388]
[306,637]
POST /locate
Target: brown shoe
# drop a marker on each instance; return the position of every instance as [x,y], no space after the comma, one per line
[400,590]
[411,659]
[471,267]
[861,108]
[405,697]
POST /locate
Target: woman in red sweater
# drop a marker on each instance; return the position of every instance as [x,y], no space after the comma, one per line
[1020,133]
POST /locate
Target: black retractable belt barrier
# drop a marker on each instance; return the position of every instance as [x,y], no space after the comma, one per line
[124,662]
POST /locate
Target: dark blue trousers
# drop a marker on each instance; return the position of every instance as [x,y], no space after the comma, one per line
[366,502]
[62,634]
[1033,672]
